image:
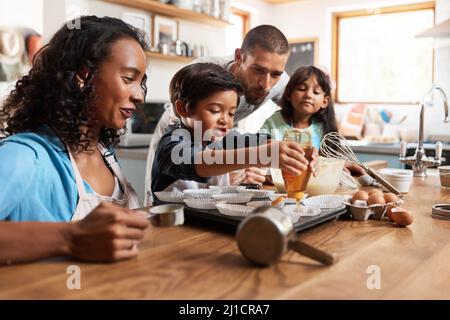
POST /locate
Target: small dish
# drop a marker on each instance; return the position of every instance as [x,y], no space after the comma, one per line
[170,196]
[166,215]
[233,197]
[199,203]
[234,210]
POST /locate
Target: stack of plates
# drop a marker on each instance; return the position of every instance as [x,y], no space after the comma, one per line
[441,211]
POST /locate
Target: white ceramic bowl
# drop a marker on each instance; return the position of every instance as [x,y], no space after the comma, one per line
[203,204]
[234,210]
[200,193]
[400,178]
[170,196]
[233,197]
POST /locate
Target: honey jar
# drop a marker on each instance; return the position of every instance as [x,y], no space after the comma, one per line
[296,185]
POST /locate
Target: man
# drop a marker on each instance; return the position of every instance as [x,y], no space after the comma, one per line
[259,67]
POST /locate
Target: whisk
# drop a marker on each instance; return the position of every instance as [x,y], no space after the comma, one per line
[334,145]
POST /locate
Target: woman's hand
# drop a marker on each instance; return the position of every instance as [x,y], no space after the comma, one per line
[108,233]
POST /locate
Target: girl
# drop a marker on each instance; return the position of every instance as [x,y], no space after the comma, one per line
[307,104]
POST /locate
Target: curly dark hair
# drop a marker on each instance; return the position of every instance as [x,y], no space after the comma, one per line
[49,94]
[326,116]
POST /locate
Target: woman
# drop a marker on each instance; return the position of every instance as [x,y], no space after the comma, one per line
[57,164]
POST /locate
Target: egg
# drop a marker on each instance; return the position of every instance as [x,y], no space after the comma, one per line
[360,195]
[375,191]
[376,198]
[390,197]
[402,216]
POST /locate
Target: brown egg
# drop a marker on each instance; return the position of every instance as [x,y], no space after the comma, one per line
[390,197]
[402,216]
[360,195]
[376,198]
[373,191]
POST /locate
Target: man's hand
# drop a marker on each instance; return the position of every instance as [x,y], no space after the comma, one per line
[251,175]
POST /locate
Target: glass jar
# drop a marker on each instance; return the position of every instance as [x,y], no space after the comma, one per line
[296,185]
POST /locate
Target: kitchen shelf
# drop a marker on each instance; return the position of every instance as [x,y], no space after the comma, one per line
[172,11]
[167,57]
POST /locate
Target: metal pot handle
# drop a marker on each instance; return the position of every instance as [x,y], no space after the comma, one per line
[312,252]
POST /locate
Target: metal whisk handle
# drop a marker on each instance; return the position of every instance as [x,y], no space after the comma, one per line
[383,181]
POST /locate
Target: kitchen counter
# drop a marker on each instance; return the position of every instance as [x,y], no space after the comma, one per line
[388,148]
[191,262]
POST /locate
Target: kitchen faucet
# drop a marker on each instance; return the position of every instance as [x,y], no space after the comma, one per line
[419,161]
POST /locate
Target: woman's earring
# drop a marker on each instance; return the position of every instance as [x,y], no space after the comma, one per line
[81,85]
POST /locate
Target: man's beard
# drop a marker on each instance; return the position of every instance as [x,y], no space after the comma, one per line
[255,100]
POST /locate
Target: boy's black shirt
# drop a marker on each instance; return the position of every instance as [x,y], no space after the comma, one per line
[165,171]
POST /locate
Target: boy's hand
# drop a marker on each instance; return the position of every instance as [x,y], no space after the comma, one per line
[291,157]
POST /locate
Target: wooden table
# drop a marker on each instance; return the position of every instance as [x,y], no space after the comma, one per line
[188,262]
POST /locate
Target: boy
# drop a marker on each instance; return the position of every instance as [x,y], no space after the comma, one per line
[205,98]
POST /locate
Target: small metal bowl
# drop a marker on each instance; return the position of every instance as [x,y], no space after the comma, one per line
[166,215]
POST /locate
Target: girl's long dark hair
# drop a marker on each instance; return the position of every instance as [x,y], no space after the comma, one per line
[326,116]
[50,93]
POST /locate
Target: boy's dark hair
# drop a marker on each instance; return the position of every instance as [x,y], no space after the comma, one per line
[266,37]
[49,94]
[198,81]
[327,115]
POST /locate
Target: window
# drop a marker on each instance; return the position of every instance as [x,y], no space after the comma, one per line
[376,57]
[234,34]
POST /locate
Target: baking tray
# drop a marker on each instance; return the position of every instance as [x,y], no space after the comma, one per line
[197,215]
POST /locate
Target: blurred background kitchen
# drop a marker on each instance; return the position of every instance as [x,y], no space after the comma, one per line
[384,56]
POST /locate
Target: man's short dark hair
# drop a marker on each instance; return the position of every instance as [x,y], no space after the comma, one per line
[266,37]
[199,81]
